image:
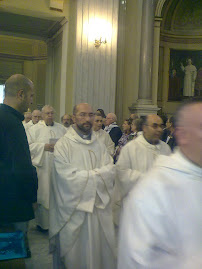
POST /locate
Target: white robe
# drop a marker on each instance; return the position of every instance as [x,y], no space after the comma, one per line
[161,226]
[39,135]
[189,79]
[136,157]
[80,203]
[105,138]
[28,125]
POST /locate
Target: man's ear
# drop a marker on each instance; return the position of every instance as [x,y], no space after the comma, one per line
[20,94]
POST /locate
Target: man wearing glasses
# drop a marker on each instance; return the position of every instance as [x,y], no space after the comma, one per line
[81,226]
[137,157]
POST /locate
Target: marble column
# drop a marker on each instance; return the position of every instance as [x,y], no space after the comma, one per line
[144,104]
[155,67]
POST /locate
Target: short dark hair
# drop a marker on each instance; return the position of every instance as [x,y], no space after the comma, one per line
[15,83]
[101,111]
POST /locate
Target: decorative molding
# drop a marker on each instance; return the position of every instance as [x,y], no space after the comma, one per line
[186,39]
[159,8]
[22,58]
[57,4]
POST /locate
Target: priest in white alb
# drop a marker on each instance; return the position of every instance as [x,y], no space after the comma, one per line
[136,158]
[36,117]
[161,226]
[42,138]
[81,227]
[101,135]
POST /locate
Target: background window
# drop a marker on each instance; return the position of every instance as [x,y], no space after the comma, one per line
[1,93]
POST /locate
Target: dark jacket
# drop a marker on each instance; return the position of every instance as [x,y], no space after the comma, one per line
[115,135]
[18,178]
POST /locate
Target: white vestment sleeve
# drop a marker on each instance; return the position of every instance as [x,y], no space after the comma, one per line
[109,144]
[36,149]
[126,176]
[146,234]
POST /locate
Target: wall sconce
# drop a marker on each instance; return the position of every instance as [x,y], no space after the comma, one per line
[98,42]
[98,31]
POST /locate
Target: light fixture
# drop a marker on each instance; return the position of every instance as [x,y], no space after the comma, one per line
[100,41]
[98,31]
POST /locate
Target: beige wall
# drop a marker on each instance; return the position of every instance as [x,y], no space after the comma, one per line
[24,56]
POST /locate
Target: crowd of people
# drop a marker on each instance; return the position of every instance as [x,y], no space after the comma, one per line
[109,197]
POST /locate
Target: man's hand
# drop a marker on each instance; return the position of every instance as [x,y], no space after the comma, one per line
[49,147]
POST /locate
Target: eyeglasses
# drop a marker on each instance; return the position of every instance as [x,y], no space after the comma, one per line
[156,126]
[84,115]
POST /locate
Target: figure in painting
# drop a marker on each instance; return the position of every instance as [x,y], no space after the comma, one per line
[174,86]
[189,78]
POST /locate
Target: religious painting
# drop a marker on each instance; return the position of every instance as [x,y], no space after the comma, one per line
[185,74]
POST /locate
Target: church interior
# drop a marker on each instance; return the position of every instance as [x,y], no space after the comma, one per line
[123,56]
[53,42]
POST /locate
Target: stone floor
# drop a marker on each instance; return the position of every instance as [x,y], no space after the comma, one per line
[39,246]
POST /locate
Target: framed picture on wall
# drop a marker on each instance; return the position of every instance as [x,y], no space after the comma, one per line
[185,74]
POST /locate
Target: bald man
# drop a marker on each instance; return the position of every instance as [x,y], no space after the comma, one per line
[163,213]
[112,128]
[81,226]
[18,180]
[36,117]
[137,157]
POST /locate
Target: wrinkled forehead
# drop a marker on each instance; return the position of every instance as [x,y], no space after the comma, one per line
[48,110]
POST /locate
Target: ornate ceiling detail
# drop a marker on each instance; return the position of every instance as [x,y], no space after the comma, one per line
[182,19]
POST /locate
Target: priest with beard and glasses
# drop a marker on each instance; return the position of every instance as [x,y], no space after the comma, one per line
[42,138]
[81,228]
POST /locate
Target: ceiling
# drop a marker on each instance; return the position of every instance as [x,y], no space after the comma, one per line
[26,26]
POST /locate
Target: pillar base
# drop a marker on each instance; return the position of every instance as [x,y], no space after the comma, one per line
[143,107]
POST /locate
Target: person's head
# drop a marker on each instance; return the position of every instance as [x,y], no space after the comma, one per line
[66,120]
[188,130]
[136,125]
[98,121]
[83,117]
[101,112]
[27,116]
[152,128]
[126,126]
[189,61]
[36,116]
[133,116]
[48,114]
[19,92]
[111,117]
[170,123]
